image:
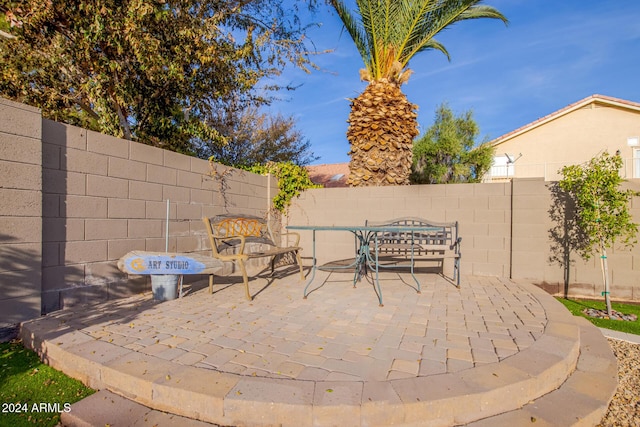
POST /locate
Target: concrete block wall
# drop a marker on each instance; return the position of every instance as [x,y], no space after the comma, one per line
[505,229]
[535,260]
[73,201]
[530,224]
[20,212]
[482,211]
[106,196]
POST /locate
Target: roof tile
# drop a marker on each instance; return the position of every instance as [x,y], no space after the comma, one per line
[329,175]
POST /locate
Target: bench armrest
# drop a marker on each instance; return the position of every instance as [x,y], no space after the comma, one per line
[224,239]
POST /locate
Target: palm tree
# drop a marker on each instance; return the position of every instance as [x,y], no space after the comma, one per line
[382,122]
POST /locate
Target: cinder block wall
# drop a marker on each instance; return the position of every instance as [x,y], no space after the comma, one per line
[539,255]
[482,210]
[505,229]
[20,212]
[105,196]
[73,201]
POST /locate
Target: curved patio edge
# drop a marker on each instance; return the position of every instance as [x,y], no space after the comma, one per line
[231,399]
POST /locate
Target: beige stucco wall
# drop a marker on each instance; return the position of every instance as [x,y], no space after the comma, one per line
[573,138]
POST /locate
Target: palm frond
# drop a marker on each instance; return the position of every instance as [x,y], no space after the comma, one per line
[435,45]
[391,31]
[482,11]
[354,28]
[443,17]
[371,27]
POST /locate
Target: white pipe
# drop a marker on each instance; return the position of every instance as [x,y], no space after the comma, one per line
[268,197]
[166,238]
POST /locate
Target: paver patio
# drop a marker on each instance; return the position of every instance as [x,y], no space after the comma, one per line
[447,356]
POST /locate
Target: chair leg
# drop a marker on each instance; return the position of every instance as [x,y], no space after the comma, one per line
[211,283]
[245,279]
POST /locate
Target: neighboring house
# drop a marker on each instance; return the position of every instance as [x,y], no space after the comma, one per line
[572,135]
[331,175]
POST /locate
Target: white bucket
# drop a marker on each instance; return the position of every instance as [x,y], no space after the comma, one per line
[164,286]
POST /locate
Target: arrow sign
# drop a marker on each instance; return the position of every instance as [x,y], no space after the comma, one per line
[139,262]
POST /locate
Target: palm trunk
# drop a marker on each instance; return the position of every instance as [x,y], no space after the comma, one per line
[382,126]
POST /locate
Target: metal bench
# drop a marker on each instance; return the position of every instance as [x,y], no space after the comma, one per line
[439,243]
[238,239]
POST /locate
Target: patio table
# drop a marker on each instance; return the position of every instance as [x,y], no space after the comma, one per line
[366,238]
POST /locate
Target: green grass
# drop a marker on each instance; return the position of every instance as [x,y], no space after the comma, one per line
[25,382]
[576,307]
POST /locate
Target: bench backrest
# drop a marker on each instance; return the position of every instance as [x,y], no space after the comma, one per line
[444,235]
[222,228]
[238,226]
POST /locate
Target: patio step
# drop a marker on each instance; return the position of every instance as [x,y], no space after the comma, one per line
[582,400]
[586,392]
[109,409]
[570,366]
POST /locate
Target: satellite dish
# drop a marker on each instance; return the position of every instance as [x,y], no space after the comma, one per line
[511,158]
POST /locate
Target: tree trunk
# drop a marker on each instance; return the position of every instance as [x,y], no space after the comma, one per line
[382,126]
[605,274]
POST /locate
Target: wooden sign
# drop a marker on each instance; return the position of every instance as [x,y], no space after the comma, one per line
[141,262]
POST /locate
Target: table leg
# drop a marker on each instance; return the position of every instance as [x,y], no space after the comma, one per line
[413,262]
[377,266]
[360,262]
[313,266]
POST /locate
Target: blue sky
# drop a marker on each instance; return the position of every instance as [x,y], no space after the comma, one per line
[552,53]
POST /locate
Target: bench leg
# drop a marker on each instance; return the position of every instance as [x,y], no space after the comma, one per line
[273,264]
[299,261]
[245,279]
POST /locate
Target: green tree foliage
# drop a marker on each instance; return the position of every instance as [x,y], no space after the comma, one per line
[447,153]
[149,70]
[254,137]
[602,208]
[292,179]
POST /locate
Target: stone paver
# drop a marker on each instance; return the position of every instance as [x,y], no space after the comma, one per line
[334,358]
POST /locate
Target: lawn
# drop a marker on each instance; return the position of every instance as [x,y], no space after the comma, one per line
[32,393]
[576,307]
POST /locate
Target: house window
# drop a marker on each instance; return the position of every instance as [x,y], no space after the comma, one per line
[502,167]
[636,162]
